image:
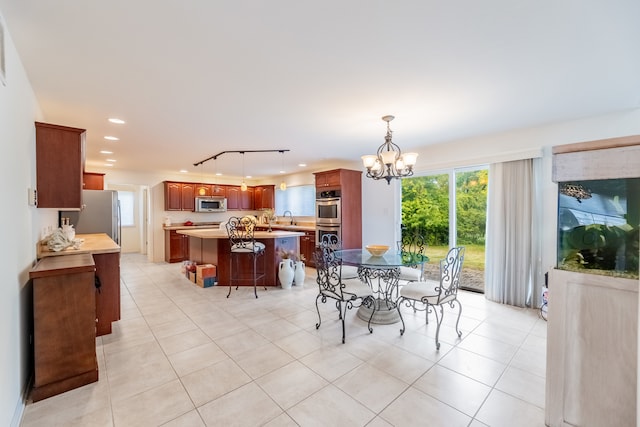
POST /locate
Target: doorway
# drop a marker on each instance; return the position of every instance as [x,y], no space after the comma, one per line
[450,215]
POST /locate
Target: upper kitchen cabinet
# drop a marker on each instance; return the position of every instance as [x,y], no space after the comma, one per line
[179,196]
[328,179]
[203,190]
[238,199]
[93,181]
[188,197]
[59,166]
[264,197]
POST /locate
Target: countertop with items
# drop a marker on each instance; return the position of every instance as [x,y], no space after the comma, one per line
[303,226]
[98,243]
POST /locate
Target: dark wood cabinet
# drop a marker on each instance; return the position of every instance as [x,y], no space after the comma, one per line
[307,246]
[328,179]
[176,246]
[59,166]
[188,197]
[219,190]
[64,316]
[108,297]
[172,196]
[349,182]
[264,197]
[179,196]
[233,198]
[93,181]
[203,190]
[246,199]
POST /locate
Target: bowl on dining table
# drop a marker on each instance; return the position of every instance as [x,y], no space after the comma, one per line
[377,250]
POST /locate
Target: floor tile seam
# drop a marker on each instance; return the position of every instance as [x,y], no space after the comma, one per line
[108,385]
[426,394]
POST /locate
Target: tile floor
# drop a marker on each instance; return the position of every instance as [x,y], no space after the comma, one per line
[186,356]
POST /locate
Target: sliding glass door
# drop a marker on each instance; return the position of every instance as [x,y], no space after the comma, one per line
[450,216]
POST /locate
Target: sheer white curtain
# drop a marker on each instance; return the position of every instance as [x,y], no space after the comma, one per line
[513,248]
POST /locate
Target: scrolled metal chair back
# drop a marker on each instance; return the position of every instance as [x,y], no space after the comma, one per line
[241,232]
[328,266]
[411,243]
[450,272]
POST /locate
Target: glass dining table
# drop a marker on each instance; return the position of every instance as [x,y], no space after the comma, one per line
[382,274]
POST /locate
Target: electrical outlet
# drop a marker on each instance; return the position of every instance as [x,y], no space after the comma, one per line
[32,196]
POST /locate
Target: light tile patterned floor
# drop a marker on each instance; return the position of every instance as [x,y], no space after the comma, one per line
[186,356]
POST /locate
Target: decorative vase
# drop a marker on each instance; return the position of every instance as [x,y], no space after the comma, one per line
[299,273]
[285,273]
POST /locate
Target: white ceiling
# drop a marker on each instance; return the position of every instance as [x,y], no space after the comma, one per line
[196,77]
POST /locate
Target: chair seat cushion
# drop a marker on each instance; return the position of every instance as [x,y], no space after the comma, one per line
[410,274]
[247,247]
[349,272]
[424,291]
[356,287]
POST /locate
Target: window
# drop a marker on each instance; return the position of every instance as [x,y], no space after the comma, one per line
[300,200]
[450,216]
[127,208]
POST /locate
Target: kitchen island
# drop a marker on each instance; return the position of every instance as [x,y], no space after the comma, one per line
[212,246]
[106,255]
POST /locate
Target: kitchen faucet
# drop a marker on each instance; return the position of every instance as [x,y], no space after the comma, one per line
[290,216]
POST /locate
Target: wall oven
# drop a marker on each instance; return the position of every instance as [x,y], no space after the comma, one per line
[328,211]
[321,230]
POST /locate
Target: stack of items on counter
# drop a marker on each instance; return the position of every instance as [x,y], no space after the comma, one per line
[203,275]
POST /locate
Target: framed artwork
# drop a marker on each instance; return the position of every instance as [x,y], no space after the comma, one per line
[3,66]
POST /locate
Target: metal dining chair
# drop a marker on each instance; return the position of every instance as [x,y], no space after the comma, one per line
[411,242]
[431,295]
[347,293]
[242,246]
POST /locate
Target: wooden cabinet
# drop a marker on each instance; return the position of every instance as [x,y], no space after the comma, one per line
[172,196]
[203,190]
[307,246]
[264,197]
[93,181]
[246,199]
[176,246]
[219,190]
[593,320]
[349,182]
[64,328]
[179,196]
[108,296]
[233,198]
[328,179]
[59,166]
[188,197]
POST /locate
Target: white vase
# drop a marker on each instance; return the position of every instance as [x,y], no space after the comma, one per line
[298,274]
[285,273]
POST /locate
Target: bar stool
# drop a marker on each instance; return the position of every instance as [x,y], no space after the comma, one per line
[243,246]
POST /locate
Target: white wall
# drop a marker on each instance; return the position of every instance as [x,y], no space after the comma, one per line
[21,225]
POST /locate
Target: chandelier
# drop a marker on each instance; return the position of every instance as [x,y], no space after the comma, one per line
[389,162]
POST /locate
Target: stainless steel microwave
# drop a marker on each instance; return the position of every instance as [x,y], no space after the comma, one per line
[211,204]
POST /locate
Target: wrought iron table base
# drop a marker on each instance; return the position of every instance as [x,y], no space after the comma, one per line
[384,284]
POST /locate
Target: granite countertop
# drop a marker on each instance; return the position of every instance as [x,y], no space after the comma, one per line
[216,225]
[222,234]
[99,243]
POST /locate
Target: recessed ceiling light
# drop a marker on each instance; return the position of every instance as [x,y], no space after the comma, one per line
[116,121]
[106,152]
[111,160]
[282,172]
[108,164]
[111,138]
[248,176]
[219,174]
[184,171]
[302,165]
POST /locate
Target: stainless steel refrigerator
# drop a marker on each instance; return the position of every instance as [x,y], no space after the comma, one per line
[101,214]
